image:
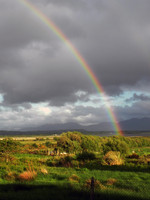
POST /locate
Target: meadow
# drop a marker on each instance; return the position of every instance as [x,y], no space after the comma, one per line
[61,167]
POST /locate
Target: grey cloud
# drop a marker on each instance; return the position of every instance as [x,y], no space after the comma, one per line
[12,117]
[19,27]
[136,97]
[43,81]
[138,109]
[15,107]
[63,3]
[102,34]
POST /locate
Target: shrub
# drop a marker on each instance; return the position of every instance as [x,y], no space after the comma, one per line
[48,144]
[113,158]
[76,142]
[86,156]
[75,163]
[8,145]
[34,145]
[89,143]
[50,162]
[66,161]
[74,136]
[65,144]
[134,155]
[116,145]
[68,158]
[142,160]
[10,176]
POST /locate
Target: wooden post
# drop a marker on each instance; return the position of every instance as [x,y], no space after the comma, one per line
[92,189]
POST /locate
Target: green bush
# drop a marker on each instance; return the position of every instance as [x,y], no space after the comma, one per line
[48,144]
[9,145]
[34,145]
[51,163]
[75,142]
[86,156]
[115,145]
[134,155]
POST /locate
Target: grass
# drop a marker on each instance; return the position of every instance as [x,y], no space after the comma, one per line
[133,185]
[34,156]
[142,150]
[29,176]
[56,185]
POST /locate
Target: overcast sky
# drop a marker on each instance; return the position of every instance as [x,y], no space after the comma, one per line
[42,82]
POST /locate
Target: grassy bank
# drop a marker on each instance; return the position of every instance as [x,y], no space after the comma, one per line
[28,172]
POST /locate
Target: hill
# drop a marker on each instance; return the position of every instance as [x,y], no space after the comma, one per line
[134,124]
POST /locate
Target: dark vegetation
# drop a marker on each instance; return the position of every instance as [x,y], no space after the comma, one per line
[62,167]
[58,132]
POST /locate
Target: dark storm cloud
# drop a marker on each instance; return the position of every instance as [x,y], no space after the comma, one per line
[18,27]
[90,114]
[16,107]
[36,66]
[137,109]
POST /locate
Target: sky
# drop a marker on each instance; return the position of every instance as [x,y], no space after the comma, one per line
[41,81]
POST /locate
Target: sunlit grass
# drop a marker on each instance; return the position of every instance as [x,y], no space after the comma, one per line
[44,176]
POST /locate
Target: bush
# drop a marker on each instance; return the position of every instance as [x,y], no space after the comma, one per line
[113,158]
[10,176]
[8,145]
[134,155]
[86,156]
[115,145]
[65,144]
[66,161]
[51,163]
[48,144]
[34,145]
[74,142]
[75,163]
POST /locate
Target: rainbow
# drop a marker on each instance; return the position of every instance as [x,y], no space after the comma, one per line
[80,59]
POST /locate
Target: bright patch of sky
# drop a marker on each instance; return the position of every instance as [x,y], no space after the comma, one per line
[1,98]
[97,100]
[42,108]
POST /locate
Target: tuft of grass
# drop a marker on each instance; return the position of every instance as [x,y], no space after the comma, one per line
[97,184]
[44,171]
[10,176]
[111,181]
[27,176]
[74,178]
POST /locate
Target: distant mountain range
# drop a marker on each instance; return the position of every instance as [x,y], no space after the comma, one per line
[134,124]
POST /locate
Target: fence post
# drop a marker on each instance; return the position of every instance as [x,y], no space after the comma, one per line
[92,189]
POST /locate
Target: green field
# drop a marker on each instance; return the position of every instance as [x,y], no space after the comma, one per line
[28,172]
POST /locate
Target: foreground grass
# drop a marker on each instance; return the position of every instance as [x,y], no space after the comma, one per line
[61,192]
[56,185]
